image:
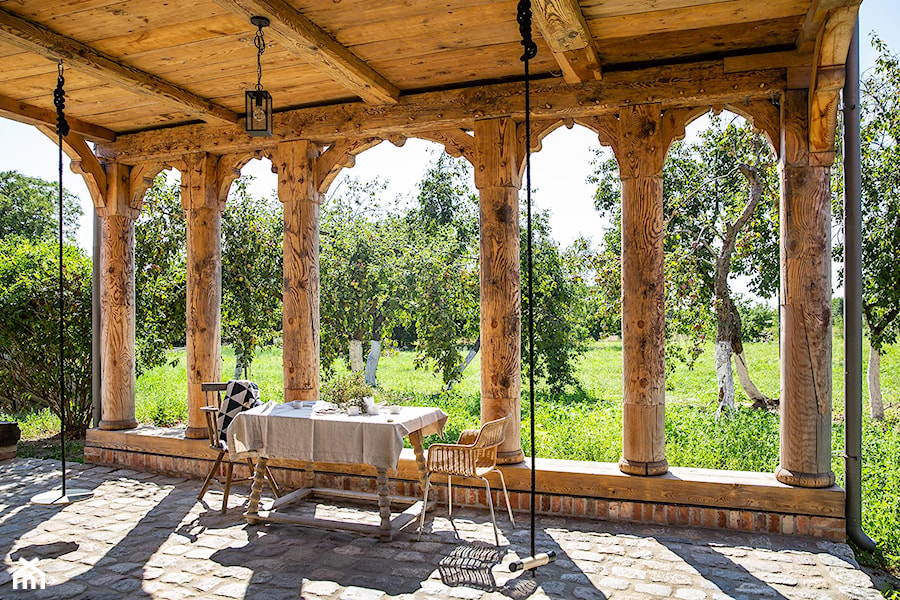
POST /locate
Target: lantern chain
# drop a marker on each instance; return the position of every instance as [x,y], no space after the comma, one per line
[260,42]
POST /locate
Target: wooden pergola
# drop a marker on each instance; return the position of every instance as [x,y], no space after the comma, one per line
[160,83]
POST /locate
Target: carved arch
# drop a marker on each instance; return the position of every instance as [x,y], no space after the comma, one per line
[229,168]
[338,156]
[539,130]
[765,117]
[456,142]
[140,180]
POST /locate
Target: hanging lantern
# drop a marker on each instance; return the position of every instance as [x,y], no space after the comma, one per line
[258,102]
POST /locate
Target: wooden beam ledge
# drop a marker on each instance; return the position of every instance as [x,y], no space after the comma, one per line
[680,486]
[34,115]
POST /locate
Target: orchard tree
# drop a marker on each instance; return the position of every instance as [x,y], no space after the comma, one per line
[252,239]
[360,265]
[160,273]
[720,210]
[442,268]
[559,335]
[880,110]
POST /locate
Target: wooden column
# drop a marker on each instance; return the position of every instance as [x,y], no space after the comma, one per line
[117,312]
[640,149]
[805,303]
[203,212]
[295,163]
[497,179]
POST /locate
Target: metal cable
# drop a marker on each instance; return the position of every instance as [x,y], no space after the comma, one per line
[523,17]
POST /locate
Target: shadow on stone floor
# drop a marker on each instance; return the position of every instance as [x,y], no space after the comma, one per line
[287,558]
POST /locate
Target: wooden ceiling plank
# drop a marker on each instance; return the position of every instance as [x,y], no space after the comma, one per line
[33,115]
[730,13]
[46,42]
[563,27]
[308,40]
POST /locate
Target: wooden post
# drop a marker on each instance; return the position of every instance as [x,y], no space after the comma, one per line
[295,163]
[497,179]
[805,304]
[640,149]
[203,212]
[117,313]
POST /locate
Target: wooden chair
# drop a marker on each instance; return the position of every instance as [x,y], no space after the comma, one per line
[214,393]
[474,455]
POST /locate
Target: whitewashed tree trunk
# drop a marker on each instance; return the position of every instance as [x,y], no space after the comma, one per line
[356,356]
[873,377]
[372,361]
[724,377]
[469,358]
[743,373]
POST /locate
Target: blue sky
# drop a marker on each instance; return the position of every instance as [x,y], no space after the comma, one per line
[558,170]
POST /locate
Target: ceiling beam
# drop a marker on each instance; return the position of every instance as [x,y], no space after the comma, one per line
[563,27]
[815,19]
[696,84]
[41,40]
[306,39]
[33,115]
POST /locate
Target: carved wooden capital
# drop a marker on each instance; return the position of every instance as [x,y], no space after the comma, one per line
[496,160]
[295,164]
[118,200]
[199,182]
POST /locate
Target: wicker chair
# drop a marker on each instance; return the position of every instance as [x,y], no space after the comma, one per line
[214,393]
[474,455]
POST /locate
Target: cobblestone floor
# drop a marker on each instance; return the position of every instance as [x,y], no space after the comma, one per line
[145,536]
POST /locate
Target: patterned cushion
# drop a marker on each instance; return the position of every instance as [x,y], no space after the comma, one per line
[239,396]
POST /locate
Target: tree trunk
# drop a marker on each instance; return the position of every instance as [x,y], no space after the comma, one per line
[372,361]
[873,377]
[469,358]
[728,320]
[356,356]
[723,376]
[759,399]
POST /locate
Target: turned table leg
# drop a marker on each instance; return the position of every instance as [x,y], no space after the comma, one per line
[259,478]
[415,438]
[384,503]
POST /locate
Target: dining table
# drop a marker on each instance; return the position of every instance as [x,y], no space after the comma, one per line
[318,432]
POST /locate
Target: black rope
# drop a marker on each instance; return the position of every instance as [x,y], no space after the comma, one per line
[62,130]
[523,17]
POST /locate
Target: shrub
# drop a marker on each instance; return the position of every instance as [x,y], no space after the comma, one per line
[29,330]
[758,321]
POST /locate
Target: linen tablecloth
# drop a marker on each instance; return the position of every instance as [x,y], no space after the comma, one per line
[280,431]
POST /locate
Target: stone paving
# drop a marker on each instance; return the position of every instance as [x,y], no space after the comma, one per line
[145,536]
